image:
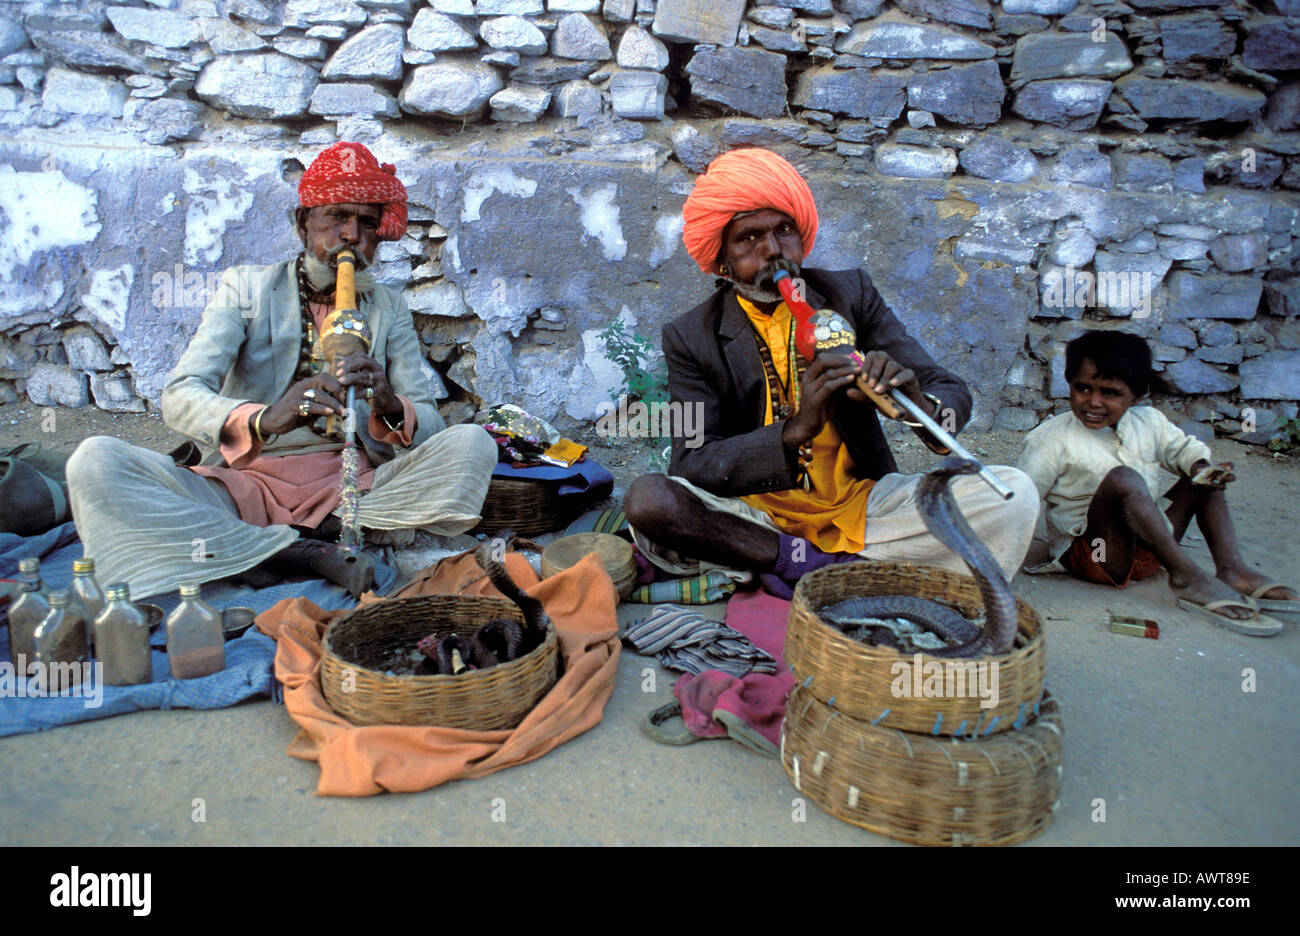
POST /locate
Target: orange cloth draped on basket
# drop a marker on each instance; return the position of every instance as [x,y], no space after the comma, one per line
[364,760]
[833,515]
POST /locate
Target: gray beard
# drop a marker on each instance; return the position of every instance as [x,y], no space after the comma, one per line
[763,289]
[756,293]
[321,275]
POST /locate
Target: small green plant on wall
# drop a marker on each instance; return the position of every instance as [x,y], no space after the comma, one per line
[1286,438]
[631,352]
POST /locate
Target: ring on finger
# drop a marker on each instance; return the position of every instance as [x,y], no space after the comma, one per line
[304,408]
[370,392]
[309,394]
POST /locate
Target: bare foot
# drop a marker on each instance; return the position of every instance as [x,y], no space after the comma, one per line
[1247,580]
[1205,589]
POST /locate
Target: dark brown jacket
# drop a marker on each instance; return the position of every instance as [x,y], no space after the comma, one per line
[713,359]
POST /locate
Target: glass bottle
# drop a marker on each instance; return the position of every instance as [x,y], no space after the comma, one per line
[196,645]
[122,640]
[86,590]
[61,640]
[26,614]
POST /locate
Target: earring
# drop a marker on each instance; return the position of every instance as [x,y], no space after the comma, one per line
[722,268]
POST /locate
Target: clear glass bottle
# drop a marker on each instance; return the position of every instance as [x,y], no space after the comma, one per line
[122,640]
[86,590]
[26,614]
[196,645]
[60,640]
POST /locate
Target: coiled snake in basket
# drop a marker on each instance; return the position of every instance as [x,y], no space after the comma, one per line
[944,519]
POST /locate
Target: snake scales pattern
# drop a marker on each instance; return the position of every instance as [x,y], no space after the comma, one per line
[943,518]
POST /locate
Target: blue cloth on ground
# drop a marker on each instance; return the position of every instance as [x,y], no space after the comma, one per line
[248,659]
[247,674]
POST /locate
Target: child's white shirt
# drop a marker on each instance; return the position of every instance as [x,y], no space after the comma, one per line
[1067,462]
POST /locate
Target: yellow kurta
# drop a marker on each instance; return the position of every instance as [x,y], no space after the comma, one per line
[832,516]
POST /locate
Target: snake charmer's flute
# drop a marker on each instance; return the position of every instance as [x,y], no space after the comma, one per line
[345,332]
[826,330]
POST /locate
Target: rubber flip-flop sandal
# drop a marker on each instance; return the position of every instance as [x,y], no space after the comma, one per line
[1255,626]
[1283,605]
[740,731]
[650,725]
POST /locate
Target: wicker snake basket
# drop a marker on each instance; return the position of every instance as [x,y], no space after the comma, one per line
[860,680]
[529,508]
[997,790]
[359,647]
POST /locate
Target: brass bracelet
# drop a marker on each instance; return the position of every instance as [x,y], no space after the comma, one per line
[257,426]
[938,408]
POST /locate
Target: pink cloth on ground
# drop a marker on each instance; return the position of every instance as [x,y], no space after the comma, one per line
[756,699]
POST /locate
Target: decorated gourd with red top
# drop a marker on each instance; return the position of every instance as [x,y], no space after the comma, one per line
[817,331]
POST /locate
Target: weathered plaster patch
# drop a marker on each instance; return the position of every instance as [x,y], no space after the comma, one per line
[600,219]
[668,234]
[110,293]
[41,211]
[486,181]
[955,205]
[214,203]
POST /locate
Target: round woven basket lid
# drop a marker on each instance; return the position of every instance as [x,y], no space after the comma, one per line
[614,551]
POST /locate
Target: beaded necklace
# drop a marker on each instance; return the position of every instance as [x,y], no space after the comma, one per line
[786,398]
[309,362]
[783,407]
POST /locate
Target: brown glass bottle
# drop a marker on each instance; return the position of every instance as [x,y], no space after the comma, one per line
[86,590]
[61,640]
[195,643]
[26,615]
[122,640]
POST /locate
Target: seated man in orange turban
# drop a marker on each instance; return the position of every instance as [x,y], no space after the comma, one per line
[251,388]
[769,416]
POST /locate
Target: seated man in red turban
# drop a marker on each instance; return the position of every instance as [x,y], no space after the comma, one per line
[770,417]
[250,387]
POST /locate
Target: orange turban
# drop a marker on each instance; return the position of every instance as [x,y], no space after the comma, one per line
[349,173]
[740,181]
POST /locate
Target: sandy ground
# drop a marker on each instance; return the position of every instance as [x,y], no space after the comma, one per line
[1159,732]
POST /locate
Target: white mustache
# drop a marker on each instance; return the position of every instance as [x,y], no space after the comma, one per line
[321,275]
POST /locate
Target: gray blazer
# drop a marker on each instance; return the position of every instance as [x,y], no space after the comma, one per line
[246,351]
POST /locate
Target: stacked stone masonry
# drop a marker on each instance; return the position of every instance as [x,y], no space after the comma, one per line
[1010,173]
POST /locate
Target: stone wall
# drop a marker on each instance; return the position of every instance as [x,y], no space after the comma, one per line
[1008,173]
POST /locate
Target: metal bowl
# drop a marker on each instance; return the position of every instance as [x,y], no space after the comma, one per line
[235,621]
[152,613]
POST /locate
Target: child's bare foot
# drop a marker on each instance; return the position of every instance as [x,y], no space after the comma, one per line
[1246,581]
[1205,589]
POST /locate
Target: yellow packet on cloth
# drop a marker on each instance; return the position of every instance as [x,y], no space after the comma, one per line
[563,453]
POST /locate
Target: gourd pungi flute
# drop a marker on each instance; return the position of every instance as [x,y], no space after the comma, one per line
[893,405]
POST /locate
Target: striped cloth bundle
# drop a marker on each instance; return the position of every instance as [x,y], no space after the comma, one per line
[685,640]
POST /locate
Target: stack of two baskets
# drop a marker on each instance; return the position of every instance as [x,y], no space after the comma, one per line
[926,767]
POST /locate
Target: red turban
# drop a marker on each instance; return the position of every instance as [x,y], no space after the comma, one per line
[349,173]
[740,181]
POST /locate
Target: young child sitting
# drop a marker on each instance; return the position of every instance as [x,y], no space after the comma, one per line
[1096,468]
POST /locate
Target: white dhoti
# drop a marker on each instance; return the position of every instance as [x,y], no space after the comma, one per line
[894,529]
[149,523]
